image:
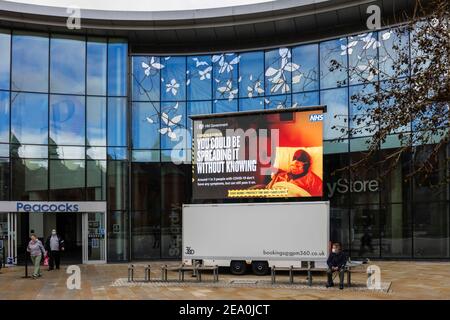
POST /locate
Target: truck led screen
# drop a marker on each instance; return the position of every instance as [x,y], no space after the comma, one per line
[258,155]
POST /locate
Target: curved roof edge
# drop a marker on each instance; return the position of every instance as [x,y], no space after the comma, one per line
[248,9]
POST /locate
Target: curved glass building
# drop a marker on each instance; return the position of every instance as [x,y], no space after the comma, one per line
[85,117]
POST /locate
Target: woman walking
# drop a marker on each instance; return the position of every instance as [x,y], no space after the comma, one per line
[36,250]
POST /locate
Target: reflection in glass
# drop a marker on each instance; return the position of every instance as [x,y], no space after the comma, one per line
[363,57]
[29,118]
[67,65]
[66,152]
[173,125]
[251,104]
[29,151]
[95,180]
[173,78]
[117,122]
[220,106]
[29,179]
[146,80]
[145,156]
[96,153]
[118,235]
[199,77]
[117,153]
[117,67]
[396,231]
[29,62]
[333,50]
[67,120]
[306,99]
[96,121]
[306,77]
[117,185]
[5,48]
[279,70]
[4,179]
[96,66]
[145,125]
[4,116]
[336,117]
[225,71]
[67,180]
[251,74]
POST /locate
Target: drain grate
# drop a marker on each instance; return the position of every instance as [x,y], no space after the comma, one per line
[244,281]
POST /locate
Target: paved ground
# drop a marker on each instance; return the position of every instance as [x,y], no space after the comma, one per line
[406,280]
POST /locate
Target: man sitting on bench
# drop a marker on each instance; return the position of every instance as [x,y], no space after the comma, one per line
[336,263]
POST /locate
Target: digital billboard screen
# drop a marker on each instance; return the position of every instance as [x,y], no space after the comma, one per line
[272,154]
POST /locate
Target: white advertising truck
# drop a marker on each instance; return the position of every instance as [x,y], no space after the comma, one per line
[262,235]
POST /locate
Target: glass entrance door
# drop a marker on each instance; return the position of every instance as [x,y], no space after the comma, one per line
[94,237]
[8,238]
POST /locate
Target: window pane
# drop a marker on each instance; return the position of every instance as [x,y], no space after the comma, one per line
[306,77]
[145,156]
[146,80]
[29,151]
[96,180]
[365,231]
[117,68]
[173,78]
[66,152]
[394,47]
[225,71]
[145,124]
[96,153]
[118,236]
[336,117]
[29,62]
[29,179]
[363,58]
[305,99]
[5,61]
[173,194]
[117,185]
[4,179]
[29,118]
[173,125]
[146,234]
[67,180]
[251,74]
[279,70]
[251,104]
[146,187]
[221,106]
[333,50]
[278,102]
[67,120]
[117,122]
[396,238]
[4,150]
[199,78]
[117,153]
[96,121]
[67,65]
[4,116]
[96,66]
[360,122]
[431,230]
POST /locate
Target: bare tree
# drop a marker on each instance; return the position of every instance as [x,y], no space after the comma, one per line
[405,93]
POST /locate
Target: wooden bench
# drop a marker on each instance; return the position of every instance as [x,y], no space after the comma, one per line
[197,270]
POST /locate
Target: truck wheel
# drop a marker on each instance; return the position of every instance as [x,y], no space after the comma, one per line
[260,268]
[238,267]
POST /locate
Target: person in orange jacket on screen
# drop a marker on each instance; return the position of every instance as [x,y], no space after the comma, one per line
[300,174]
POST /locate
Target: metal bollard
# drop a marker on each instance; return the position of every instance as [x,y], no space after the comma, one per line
[130,273]
[147,273]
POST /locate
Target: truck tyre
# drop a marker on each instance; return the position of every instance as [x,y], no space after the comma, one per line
[238,267]
[260,268]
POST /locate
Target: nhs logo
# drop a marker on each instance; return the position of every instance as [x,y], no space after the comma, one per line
[316,117]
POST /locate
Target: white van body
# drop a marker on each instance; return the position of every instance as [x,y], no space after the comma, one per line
[282,234]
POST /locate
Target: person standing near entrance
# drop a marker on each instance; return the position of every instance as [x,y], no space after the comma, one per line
[54,245]
[36,250]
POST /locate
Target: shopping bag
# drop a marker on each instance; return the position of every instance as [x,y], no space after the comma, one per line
[46,260]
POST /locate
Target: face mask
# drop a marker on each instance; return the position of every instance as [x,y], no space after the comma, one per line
[334,250]
[53,233]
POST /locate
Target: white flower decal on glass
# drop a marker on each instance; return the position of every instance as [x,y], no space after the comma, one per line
[173,87]
[278,76]
[153,64]
[170,123]
[228,89]
[223,63]
[205,74]
[256,89]
[348,48]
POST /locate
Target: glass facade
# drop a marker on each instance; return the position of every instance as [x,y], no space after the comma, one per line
[82,119]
